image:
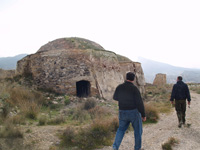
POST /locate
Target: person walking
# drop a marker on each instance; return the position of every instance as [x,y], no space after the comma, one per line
[180,93]
[131,110]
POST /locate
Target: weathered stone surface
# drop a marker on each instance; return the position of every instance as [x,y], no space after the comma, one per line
[160,79]
[6,73]
[62,63]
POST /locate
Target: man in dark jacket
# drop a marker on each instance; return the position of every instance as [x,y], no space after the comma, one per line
[180,93]
[131,110]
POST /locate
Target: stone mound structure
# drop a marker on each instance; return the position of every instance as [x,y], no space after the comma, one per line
[160,79]
[79,67]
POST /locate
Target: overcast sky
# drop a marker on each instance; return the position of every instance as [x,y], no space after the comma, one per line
[162,30]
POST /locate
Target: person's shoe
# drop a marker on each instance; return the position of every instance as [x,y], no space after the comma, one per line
[179,125]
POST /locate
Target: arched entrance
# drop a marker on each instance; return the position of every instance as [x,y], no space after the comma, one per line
[83,88]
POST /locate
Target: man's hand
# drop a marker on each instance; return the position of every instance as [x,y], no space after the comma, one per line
[188,104]
[144,119]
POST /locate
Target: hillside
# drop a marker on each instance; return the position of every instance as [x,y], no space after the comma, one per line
[9,63]
[151,68]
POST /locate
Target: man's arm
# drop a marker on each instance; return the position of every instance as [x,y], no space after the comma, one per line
[188,94]
[115,96]
[140,104]
[172,95]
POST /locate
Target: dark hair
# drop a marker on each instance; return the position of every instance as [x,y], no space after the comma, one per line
[180,78]
[130,76]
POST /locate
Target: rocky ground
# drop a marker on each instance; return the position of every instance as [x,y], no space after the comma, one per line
[154,135]
[157,134]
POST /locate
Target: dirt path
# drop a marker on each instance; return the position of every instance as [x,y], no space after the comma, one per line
[157,134]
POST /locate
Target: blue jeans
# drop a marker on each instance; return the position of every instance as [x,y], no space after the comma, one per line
[125,118]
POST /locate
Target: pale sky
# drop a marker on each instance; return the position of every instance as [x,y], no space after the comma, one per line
[162,30]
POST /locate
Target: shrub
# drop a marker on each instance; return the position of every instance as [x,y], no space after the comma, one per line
[29,102]
[78,114]
[89,104]
[151,113]
[57,120]
[68,137]
[31,110]
[114,124]
[98,112]
[97,134]
[55,106]
[17,119]
[67,100]
[42,120]
[170,143]
[5,111]
[9,131]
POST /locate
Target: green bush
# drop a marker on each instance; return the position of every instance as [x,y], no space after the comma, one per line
[67,100]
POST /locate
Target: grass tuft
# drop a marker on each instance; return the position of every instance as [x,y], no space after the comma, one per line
[99,133]
[151,113]
[10,131]
[89,104]
[170,143]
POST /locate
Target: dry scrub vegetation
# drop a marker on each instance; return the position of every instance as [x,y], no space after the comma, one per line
[157,101]
[88,123]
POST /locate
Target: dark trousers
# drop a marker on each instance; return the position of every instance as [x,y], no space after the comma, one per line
[180,106]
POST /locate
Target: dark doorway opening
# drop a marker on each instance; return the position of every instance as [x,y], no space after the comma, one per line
[83,88]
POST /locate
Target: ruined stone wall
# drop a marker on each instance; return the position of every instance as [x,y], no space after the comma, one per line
[127,66]
[160,79]
[6,73]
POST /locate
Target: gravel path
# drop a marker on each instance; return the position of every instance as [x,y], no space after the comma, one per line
[157,134]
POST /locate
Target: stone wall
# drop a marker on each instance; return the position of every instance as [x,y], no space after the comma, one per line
[6,73]
[62,68]
[160,79]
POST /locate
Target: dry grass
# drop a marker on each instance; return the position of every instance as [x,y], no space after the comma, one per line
[152,113]
[170,143]
[195,87]
[29,102]
[10,131]
[57,120]
[89,104]
[96,135]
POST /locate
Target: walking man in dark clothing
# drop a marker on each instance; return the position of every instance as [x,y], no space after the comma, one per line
[131,110]
[180,93]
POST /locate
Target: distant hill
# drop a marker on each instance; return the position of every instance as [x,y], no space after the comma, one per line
[9,63]
[151,68]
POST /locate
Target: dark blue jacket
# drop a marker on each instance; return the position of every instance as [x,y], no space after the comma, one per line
[129,97]
[180,91]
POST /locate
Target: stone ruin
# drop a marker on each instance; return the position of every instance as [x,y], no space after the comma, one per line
[160,79]
[80,67]
[6,73]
